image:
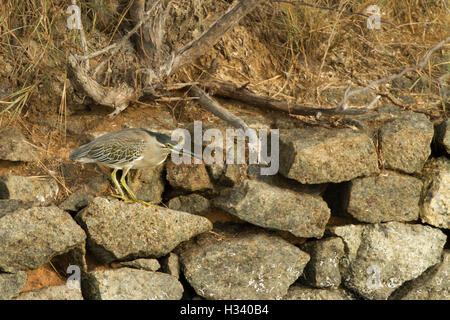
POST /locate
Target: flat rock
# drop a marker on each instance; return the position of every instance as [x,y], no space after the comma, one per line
[123,231]
[31,237]
[192,203]
[322,271]
[188,177]
[381,257]
[11,284]
[386,197]
[278,180]
[81,198]
[433,284]
[60,292]
[320,155]
[443,134]
[14,146]
[130,284]
[405,142]
[299,292]
[268,206]
[39,190]
[143,264]
[171,265]
[245,264]
[226,175]
[149,184]
[435,206]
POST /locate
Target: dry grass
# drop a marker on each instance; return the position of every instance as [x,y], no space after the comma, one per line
[328,50]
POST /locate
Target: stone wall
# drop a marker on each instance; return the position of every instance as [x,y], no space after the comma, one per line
[359,211]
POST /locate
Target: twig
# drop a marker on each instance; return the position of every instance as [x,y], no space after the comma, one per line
[212,106]
[114,48]
[83,40]
[349,93]
[330,39]
[147,15]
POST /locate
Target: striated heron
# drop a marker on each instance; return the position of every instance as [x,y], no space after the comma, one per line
[128,149]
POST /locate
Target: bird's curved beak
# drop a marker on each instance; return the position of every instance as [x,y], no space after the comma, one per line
[182,151]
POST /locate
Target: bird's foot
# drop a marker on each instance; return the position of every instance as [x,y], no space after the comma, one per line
[133,200]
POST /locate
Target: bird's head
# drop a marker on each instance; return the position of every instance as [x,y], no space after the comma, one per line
[173,147]
[167,145]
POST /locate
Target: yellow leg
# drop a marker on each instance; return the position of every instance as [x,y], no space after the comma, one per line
[131,194]
[116,183]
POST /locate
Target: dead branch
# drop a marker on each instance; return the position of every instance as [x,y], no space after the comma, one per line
[83,40]
[229,90]
[212,106]
[117,98]
[150,39]
[121,42]
[349,93]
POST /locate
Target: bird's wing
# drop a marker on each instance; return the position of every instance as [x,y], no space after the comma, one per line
[118,151]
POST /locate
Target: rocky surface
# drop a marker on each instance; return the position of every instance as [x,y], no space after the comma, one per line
[320,155]
[299,292]
[244,264]
[381,257]
[143,264]
[433,284]
[267,206]
[15,147]
[81,198]
[130,284]
[39,190]
[329,226]
[150,231]
[186,177]
[8,206]
[192,203]
[435,206]
[61,292]
[322,271]
[149,184]
[31,237]
[11,284]
[405,142]
[386,197]
[226,174]
[443,135]
[171,265]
